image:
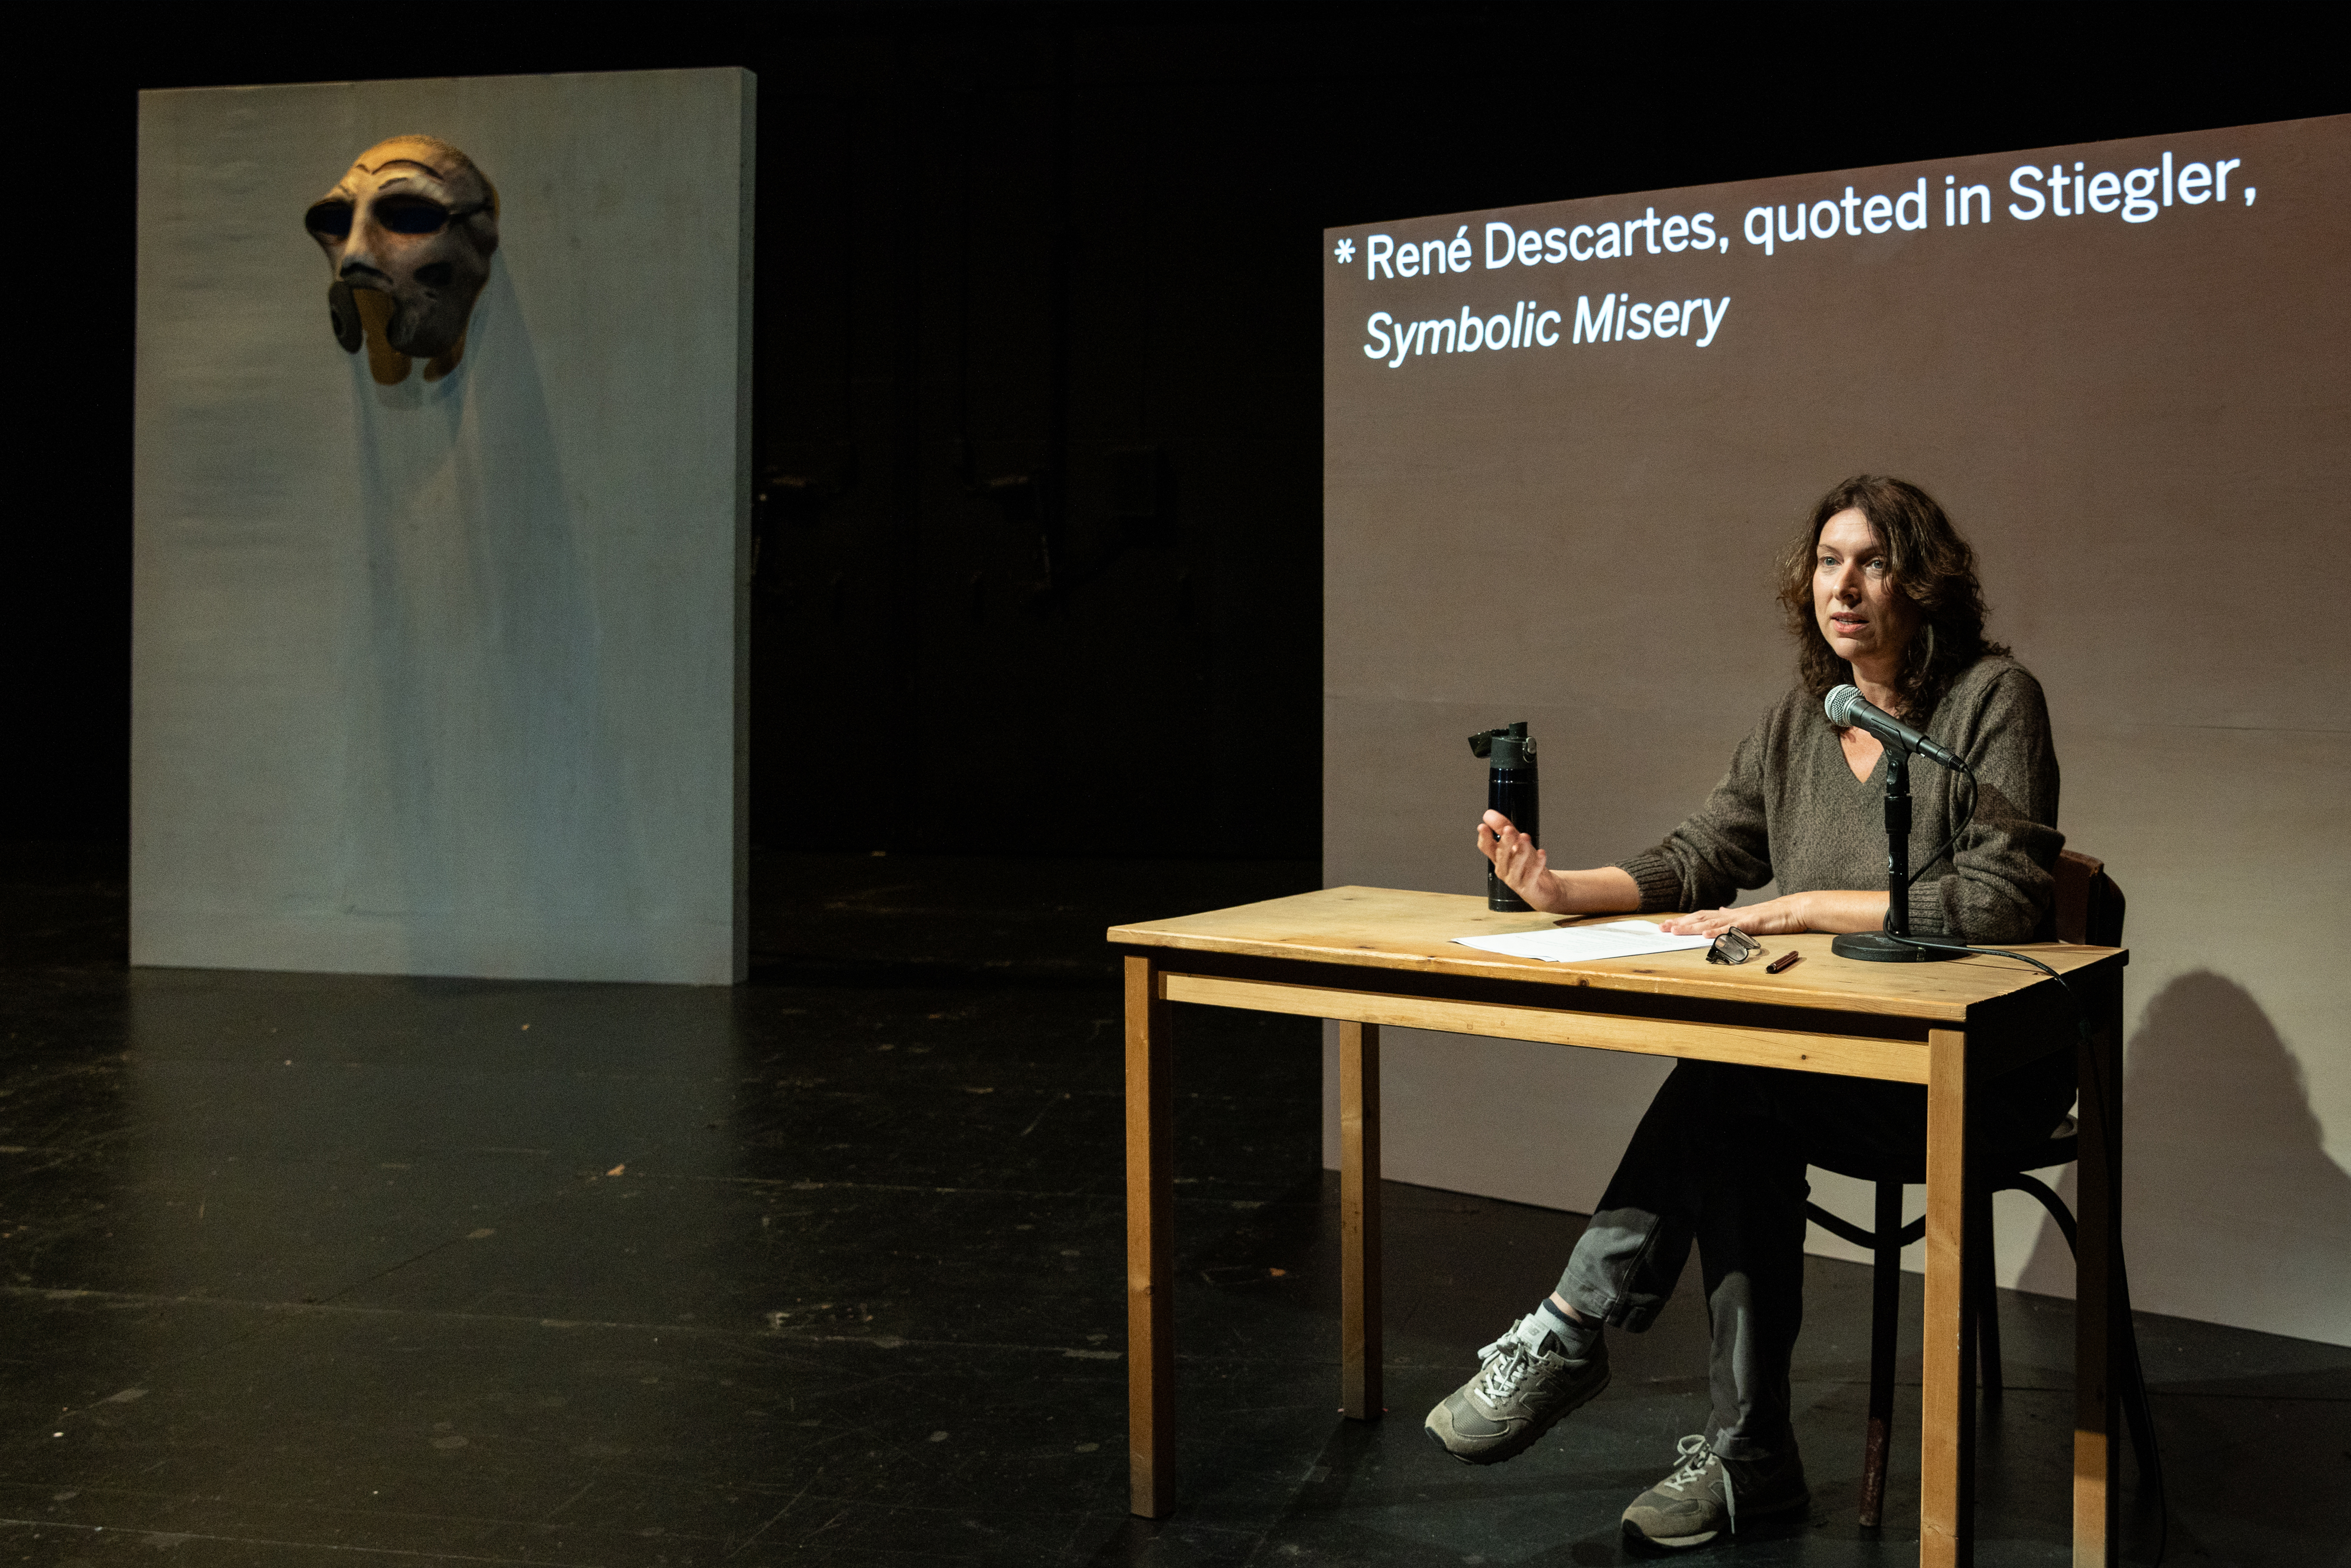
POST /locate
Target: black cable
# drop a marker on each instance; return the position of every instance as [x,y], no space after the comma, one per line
[2151,1462]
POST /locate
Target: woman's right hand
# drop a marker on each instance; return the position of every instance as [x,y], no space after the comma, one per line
[1524,868]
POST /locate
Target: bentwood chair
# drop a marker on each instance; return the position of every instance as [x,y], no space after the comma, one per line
[2089,910]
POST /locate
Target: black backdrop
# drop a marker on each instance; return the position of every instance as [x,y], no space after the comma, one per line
[1038,407]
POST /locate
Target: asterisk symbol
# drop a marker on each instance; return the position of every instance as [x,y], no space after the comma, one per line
[1346,250]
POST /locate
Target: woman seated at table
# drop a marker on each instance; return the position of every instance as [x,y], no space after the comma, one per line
[1880,591]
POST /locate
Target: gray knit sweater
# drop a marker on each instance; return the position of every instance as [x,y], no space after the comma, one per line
[1790,809]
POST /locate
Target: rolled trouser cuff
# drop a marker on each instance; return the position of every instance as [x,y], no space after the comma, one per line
[1749,1448]
[1593,1280]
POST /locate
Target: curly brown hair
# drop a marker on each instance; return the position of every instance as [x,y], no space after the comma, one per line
[1933,568]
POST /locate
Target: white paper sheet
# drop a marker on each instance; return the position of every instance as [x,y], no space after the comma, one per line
[1579,943]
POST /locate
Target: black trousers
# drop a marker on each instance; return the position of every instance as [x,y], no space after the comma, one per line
[1720,1161]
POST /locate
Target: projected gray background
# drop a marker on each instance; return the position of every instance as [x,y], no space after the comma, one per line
[2134,406]
[443,677]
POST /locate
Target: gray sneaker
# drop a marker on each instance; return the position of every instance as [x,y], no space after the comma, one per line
[1524,1388]
[1708,1494]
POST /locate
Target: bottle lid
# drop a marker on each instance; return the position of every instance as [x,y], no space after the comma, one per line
[1509,747]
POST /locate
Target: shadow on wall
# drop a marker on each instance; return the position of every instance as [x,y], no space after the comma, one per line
[485,789]
[2233,1213]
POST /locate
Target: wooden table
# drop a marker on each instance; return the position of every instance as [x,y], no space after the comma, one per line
[1368,956]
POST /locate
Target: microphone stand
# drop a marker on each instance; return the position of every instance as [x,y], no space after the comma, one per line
[1884,947]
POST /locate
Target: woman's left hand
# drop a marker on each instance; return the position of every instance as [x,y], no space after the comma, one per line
[1773,917]
[1829,910]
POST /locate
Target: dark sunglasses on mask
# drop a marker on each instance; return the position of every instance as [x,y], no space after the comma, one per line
[415,216]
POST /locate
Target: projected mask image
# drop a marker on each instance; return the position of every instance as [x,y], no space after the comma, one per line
[408,233]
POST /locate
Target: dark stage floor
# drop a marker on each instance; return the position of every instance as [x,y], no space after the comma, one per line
[303,1270]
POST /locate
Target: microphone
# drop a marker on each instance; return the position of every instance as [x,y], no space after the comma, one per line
[1846,706]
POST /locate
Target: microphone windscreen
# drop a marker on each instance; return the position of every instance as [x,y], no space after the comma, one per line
[1839,704]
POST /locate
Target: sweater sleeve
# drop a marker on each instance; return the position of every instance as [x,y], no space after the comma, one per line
[1721,848]
[1997,885]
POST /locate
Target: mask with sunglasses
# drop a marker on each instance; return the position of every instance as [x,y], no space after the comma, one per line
[408,233]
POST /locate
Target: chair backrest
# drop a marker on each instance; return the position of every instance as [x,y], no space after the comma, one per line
[2089,902]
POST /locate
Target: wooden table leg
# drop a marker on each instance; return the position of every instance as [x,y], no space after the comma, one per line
[1359,1219]
[1150,1214]
[2098,1209]
[1948,1427]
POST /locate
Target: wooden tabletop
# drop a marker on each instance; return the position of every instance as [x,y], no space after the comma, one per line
[1391,928]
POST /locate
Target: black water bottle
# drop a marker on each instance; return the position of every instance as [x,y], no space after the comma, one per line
[1510,789]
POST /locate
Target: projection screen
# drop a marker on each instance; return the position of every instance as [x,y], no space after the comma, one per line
[444,675]
[1561,445]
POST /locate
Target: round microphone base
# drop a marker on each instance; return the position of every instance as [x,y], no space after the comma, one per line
[1876,948]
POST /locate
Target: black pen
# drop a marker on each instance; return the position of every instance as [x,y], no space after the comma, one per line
[1781,962]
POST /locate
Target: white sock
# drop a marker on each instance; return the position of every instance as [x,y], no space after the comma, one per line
[1576,1336]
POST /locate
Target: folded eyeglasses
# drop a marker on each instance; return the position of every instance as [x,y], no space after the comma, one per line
[1733,946]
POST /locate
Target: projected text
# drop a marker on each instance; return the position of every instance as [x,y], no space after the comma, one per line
[1616,318]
